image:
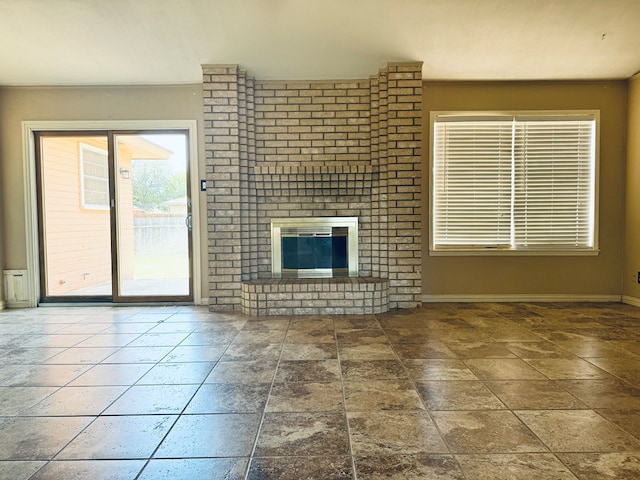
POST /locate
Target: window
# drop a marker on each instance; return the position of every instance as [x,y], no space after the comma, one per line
[94,168]
[514,183]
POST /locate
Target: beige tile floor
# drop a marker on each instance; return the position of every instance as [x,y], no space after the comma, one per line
[448,391]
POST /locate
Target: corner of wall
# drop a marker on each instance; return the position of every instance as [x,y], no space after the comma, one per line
[631,248]
[631,300]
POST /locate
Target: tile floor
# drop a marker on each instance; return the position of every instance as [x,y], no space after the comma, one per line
[448,391]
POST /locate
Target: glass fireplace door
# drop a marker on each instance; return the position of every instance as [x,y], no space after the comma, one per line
[314,247]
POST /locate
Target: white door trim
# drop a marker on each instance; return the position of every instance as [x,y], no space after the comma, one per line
[30,186]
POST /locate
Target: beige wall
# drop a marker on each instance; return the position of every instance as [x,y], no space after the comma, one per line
[539,275]
[79,103]
[2,227]
[632,198]
[600,275]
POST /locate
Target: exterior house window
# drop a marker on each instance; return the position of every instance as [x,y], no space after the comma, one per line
[523,183]
[94,171]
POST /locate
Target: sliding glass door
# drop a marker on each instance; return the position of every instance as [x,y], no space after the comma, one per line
[153,217]
[114,216]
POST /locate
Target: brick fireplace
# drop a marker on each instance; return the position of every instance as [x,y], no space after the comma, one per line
[346,148]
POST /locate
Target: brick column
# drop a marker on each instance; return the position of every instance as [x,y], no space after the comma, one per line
[404,141]
[383,186]
[374,110]
[224,196]
[252,254]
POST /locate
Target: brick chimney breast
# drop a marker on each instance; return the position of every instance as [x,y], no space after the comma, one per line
[279,149]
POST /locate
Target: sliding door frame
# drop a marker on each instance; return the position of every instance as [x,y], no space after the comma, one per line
[42,277]
[31,188]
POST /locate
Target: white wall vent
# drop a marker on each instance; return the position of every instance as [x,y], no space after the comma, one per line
[16,286]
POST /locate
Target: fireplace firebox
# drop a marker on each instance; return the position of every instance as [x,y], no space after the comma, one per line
[316,247]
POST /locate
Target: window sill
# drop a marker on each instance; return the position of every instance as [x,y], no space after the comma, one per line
[494,252]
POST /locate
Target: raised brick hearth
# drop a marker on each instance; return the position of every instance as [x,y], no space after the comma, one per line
[316,296]
[313,148]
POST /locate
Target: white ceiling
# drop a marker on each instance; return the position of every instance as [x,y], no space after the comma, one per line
[107,42]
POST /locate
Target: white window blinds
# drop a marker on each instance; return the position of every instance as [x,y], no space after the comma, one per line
[513,182]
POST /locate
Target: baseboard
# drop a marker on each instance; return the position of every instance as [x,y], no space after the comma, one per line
[3,304]
[631,300]
[204,301]
[521,298]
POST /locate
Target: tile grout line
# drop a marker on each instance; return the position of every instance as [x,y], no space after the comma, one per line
[101,414]
[266,403]
[344,402]
[180,415]
[422,402]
